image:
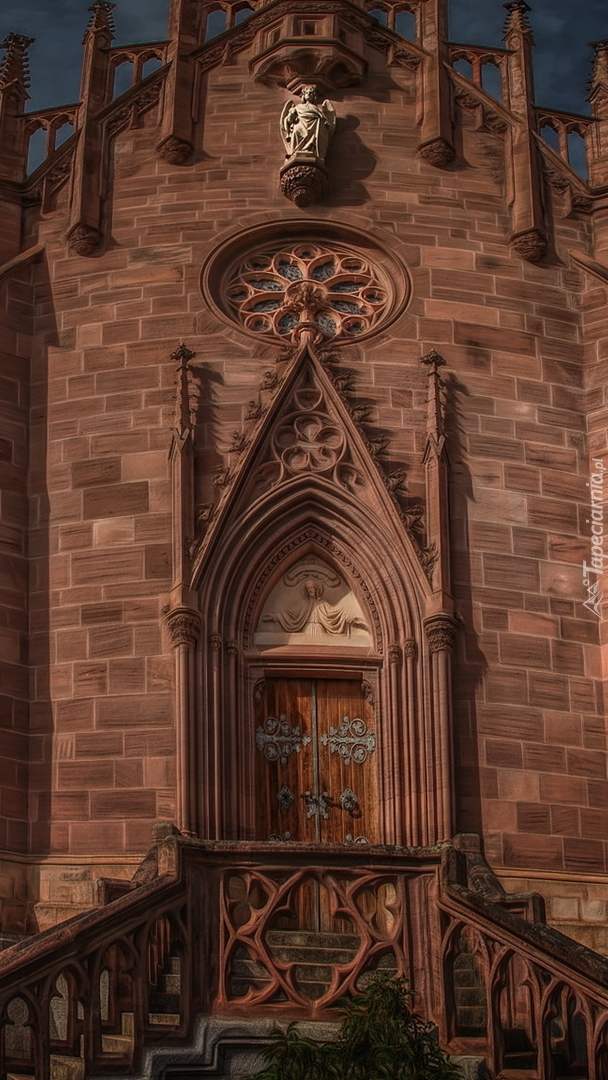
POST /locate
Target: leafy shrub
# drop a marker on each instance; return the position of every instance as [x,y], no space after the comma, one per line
[380,1039]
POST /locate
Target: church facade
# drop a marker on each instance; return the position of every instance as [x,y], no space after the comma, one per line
[302,457]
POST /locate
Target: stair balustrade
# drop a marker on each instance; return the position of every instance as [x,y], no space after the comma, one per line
[283,931]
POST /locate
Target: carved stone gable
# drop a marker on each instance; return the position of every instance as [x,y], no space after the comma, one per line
[308,439]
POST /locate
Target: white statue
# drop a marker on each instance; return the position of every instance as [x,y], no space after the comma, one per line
[308,127]
[315,616]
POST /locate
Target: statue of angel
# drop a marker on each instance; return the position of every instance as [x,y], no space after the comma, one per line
[308,127]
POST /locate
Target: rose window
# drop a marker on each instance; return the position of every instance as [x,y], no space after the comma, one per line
[283,291]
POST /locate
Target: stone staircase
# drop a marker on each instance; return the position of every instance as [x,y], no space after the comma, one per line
[312,953]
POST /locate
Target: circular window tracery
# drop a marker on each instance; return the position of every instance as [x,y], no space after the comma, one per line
[277,292]
[275,289]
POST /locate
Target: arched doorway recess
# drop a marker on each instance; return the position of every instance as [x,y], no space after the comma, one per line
[324,661]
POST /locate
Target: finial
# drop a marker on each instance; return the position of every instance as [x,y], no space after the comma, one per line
[101,17]
[433,360]
[15,67]
[182,421]
[434,427]
[599,72]
[517,17]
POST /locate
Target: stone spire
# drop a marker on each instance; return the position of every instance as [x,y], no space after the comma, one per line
[15,67]
[598,83]
[597,143]
[517,19]
[435,430]
[101,18]
[182,424]
[14,80]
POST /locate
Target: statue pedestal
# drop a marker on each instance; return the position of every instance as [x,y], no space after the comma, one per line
[304,179]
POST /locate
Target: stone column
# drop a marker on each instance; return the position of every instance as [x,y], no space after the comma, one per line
[184,627]
[440,632]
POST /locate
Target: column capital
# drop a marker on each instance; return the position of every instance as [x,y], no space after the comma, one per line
[441,633]
[184,626]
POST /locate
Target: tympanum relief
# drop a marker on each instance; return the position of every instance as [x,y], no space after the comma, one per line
[312,605]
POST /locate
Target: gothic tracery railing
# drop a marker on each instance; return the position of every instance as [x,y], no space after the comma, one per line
[284,930]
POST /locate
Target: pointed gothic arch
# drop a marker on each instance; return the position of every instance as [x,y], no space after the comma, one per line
[308,487]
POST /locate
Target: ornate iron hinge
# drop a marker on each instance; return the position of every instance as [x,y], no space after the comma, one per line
[351,740]
[278,739]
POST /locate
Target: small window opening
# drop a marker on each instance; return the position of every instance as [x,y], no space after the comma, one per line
[405,25]
[550,136]
[464,67]
[577,153]
[491,81]
[216,24]
[241,15]
[153,64]
[379,15]
[123,78]
[37,150]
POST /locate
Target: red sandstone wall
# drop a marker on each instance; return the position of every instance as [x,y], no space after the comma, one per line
[529,726]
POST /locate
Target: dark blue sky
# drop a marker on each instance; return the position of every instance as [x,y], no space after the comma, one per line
[562,30]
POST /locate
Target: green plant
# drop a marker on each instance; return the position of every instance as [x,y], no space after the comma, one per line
[380,1038]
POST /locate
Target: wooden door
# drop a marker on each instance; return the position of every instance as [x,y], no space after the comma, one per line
[316,748]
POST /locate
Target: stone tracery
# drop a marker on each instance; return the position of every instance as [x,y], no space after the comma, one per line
[281,292]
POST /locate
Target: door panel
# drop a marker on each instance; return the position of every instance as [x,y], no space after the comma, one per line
[315,761]
[347,763]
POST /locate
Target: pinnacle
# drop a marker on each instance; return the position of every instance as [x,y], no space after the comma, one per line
[101,16]
[517,17]
[15,66]
[599,73]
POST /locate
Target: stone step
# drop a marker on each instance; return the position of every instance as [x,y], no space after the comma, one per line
[66,1068]
[160,1002]
[166,1019]
[312,939]
[304,972]
[300,955]
[117,1044]
[310,990]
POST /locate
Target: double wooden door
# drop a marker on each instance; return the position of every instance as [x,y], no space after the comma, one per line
[315,770]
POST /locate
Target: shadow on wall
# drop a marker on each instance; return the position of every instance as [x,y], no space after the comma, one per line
[349,162]
[469,664]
